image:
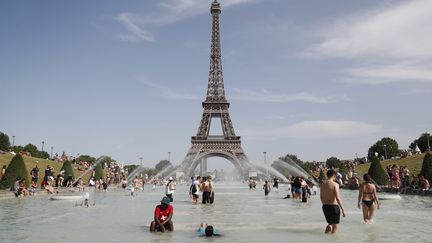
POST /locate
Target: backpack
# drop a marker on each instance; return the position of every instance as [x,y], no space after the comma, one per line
[193,189]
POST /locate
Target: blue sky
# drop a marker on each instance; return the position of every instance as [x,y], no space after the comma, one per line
[126,78]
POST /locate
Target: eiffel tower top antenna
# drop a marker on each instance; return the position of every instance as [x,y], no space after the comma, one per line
[215,90]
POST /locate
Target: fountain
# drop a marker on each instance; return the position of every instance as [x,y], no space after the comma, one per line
[91,168]
[265,168]
[294,169]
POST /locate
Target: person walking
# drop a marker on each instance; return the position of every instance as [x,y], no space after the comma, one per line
[368,199]
[170,189]
[332,203]
[266,188]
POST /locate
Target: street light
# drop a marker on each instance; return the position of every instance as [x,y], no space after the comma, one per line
[52,151]
[43,145]
[141,159]
[385,151]
[169,157]
[13,142]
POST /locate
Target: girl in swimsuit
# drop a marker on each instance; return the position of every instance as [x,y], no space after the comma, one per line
[368,199]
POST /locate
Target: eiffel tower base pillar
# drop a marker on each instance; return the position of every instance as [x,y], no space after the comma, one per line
[203,167]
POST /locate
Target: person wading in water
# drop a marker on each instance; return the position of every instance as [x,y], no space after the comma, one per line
[332,203]
[368,199]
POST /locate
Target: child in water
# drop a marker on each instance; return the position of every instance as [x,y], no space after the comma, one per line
[207,230]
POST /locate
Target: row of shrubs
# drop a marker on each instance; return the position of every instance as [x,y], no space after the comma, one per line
[380,176]
[17,168]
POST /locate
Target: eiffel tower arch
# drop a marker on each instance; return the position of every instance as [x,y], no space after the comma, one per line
[215,106]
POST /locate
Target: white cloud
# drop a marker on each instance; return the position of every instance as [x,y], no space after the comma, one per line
[401,31]
[136,33]
[167,93]
[389,74]
[395,37]
[168,11]
[318,130]
[266,96]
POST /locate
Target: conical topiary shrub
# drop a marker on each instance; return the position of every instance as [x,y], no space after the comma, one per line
[16,168]
[426,169]
[377,172]
[99,172]
[68,170]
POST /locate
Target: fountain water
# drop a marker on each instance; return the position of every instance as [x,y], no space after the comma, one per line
[293,168]
[265,168]
[91,168]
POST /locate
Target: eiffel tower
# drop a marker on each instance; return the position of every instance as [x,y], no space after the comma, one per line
[204,145]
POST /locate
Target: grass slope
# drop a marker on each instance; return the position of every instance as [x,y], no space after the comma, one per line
[30,162]
[414,164]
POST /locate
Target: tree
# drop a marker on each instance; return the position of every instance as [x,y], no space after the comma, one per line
[4,142]
[87,158]
[306,166]
[31,148]
[387,147]
[293,157]
[422,142]
[99,172]
[333,162]
[162,164]
[426,169]
[16,168]
[67,167]
[377,172]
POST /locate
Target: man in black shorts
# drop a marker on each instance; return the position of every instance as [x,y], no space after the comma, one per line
[332,203]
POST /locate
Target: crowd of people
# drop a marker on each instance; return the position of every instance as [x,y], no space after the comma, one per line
[400,179]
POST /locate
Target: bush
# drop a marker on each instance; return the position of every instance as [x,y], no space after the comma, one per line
[426,169]
[377,172]
[16,168]
[67,167]
[99,174]
[4,142]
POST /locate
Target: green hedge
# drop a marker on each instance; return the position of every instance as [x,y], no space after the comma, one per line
[16,168]
[377,172]
[426,169]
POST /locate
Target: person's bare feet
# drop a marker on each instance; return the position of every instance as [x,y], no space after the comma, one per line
[328,229]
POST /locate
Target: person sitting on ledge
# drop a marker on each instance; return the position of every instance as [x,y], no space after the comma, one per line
[162,217]
[207,230]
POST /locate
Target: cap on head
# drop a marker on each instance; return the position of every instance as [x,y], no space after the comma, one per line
[166,200]
[170,179]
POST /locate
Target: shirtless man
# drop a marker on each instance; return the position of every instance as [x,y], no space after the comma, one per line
[332,203]
[206,189]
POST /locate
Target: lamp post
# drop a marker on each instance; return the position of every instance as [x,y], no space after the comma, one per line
[169,157]
[52,151]
[141,159]
[13,142]
[43,143]
[385,151]
[265,162]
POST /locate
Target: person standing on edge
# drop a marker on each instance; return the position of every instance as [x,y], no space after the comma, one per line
[170,188]
[332,203]
[368,198]
[35,173]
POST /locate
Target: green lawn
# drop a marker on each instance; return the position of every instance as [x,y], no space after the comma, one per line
[30,162]
[414,164]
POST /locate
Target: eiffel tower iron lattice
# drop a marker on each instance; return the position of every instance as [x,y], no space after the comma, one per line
[204,145]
